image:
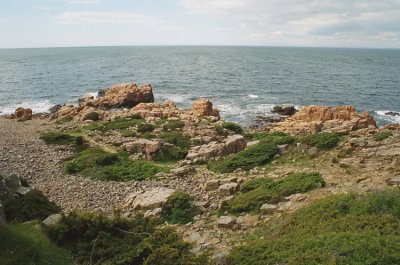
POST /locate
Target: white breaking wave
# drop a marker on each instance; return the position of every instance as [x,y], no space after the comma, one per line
[392,119]
[93,94]
[36,106]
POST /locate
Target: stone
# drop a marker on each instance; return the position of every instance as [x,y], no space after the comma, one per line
[52,219]
[394,181]
[392,113]
[302,148]
[150,199]
[248,220]
[5,194]
[153,213]
[228,189]
[204,107]
[224,202]
[13,182]
[226,221]
[147,148]
[286,110]
[211,185]
[22,114]
[183,171]
[267,208]
[358,142]
[3,219]
[23,190]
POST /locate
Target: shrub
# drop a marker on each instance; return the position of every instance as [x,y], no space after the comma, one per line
[94,116]
[380,136]
[178,209]
[127,133]
[94,238]
[118,124]
[172,125]
[148,136]
[175,138]
[66,118]
[256,192]
[79,141]
[26,244]
[96,163]
[233,127]
[32,206]
[57,138]
[171,154]
[256,155]
[343,229]
[146,127]
[323,141]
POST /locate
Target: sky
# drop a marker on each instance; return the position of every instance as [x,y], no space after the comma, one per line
[313,23]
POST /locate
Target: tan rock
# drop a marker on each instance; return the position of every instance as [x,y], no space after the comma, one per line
[211,185]
[228,189]
[143,147]
[203,107]
[22,114]
[268,208]
[149,199]
[226,221]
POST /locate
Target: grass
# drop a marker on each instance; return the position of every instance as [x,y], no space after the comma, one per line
[256,192]
[178,151]
[380,136]
[233,127]
[118,124]
[27,244]
[127,133]
[256,155]
[57,138]
[94,116]
[32,206]
[178,209]
[65,119]
[322,141]
[343,229]
[94,238]
[172,125]
[96,163]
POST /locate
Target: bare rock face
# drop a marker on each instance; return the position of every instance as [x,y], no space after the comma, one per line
[144,147]
[121,96]
[231,145]
[203,107]
[314,119]
[22,114]
[149,199]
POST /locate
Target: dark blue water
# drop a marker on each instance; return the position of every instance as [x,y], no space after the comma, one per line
[241,81]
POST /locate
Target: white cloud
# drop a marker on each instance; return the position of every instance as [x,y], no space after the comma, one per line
[82,1]
[92,17]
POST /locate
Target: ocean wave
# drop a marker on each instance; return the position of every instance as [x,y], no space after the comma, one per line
[92,94]
[36,106]
[252,96]
[381,114]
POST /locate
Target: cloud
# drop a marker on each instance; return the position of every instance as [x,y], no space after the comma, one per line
[92,17]
[82,1]
[300,21]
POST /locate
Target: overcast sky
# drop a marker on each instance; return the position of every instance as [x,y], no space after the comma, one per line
[339,23]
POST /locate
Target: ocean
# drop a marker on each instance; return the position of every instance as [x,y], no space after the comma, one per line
[242,82]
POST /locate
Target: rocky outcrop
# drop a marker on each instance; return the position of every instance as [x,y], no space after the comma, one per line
[144,148]
[231,145]
[149,199]
[314,119]
[22,114]
[204,107]
[285,110]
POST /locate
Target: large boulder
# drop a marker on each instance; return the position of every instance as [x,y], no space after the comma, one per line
[150,199]
[144,148]
[22,114]
[204,107]
[285,110]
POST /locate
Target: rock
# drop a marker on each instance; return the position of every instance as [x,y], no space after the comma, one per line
[52,219]
[228,189]
[153,213]
[286,110]
[3,219]
[358,142]
[394,181]
[203,107]
[249,144]
[150,199]
[224,202]
[226,221]
[392,113]
[302,148]
[268,208]
[12,182]
[22,114]
[147,148]
[183,171]
[23,190]
[55,109]
[5,194]
[211,185]
[248,220]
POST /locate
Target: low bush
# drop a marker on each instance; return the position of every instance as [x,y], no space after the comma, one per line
[96,163]
[66,118]
[145,127]
[57,138]
[178,209]
[172,125]
[177,139]
[118,124]
[256,155]
[32,206]
[27,244]
[233,127]
[127,133]
[380,136]
[94,238]
[342,229]
[171,154]
[94,116]
[256,192]
[322,141]
[178,152]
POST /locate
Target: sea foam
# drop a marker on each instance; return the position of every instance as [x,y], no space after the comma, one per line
[36,106]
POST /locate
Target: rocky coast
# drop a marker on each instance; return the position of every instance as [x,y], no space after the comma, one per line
[363,159]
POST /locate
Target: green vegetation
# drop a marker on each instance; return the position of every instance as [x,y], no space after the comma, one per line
[118,124]
[256,192]
[94,238]
[27,244]
[179,151]
[145,127]
[233,127]
[380,136]
[127,133]
[57,138]
[94,116]
[178,209]
[177,139]
[322,141]
[32,206]
[345,229]
[66,118]
[172,125]
[278,138]
[256,155]
[96,163]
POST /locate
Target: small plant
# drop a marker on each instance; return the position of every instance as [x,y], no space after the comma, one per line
[172,125]
[94,116]
[117,124]
[79,141]
[145,127]
[107,159]
[178,209]
[148,136]
[176,138]
[32,206]
[57,138]
[233,127]
[66,118]
[127,133]
[322,141]
[380,136]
